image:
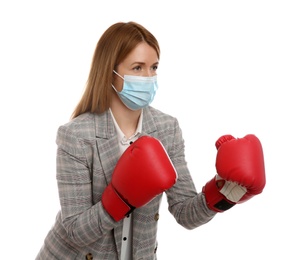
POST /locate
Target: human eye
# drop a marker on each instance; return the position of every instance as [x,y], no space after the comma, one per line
[155,67]
[137,68]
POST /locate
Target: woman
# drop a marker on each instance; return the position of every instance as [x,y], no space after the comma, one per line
[112,114]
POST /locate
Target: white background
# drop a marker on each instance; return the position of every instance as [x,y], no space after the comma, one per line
[224,69]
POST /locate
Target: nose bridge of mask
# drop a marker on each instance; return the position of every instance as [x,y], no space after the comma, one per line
[130,78]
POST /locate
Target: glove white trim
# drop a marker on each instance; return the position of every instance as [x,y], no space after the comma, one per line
[231,190]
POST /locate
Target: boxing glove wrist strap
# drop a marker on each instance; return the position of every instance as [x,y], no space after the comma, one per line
[114,204]
[214,199]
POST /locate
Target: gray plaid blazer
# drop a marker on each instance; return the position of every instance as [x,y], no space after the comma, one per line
[86,157]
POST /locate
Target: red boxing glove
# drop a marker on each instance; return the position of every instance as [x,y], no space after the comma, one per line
[143,171]
[239,162]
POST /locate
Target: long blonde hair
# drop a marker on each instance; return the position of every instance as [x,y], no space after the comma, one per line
[112,48]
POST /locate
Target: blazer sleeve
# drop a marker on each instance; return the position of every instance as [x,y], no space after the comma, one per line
[185,204]
[84,221]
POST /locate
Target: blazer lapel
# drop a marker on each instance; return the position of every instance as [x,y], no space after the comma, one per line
[107,143]
[108,152]
[148,125]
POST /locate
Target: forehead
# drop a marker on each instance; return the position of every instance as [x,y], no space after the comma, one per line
[143,52]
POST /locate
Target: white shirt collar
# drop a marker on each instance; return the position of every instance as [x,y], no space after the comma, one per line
[121,136]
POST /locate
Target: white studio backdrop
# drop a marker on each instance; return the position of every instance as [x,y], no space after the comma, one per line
[224,69]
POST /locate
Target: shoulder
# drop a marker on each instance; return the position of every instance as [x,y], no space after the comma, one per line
[158,113]
[79,122]
[79,128]
[79,125]
[163,126]
[88,125]
[161,120]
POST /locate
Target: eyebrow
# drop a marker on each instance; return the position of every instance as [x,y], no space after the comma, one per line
[142,63]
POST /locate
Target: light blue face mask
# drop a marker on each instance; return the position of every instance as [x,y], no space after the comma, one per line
[138,92]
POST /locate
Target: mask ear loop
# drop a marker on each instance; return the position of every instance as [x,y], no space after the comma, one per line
[114,88]
[112,83]
[118,74]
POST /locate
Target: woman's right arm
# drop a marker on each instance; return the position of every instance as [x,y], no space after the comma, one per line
[84,221]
